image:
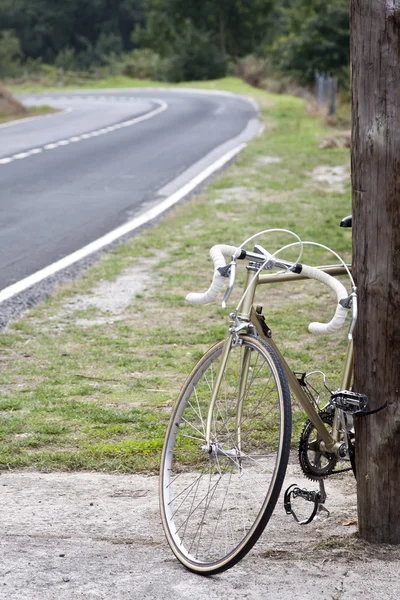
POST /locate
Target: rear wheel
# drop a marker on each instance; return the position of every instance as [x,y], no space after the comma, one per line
[217,498]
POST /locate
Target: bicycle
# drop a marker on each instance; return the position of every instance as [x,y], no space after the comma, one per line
[228,440]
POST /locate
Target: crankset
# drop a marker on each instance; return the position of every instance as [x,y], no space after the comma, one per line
[315,462]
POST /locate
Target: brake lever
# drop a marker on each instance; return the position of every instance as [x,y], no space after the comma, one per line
[351,302]
[354,312]
[232,275]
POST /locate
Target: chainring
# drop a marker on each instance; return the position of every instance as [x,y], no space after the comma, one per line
[316,464]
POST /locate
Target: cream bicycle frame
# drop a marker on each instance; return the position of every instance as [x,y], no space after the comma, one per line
[251,320]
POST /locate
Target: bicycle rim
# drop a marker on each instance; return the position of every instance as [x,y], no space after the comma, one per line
[217,499]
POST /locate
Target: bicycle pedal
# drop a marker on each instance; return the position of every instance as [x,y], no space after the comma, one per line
[350,402]
[294,491]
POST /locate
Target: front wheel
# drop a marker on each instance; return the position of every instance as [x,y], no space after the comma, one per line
[217,497]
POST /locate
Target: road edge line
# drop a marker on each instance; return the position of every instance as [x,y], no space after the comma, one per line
[115,234]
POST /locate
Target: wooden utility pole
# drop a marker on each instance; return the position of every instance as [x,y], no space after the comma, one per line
[375,60]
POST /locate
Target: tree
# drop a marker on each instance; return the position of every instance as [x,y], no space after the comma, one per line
[375,43]
[236,27]
[194,57]
[312,35]
[87,27]
[43,27]
[10,52]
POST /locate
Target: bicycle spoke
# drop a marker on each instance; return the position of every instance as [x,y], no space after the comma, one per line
[216,499]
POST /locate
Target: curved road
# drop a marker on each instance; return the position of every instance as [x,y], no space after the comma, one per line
[69,178]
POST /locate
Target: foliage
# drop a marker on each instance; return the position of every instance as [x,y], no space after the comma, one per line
[194,58]
[142,64]
[236,27]
[108,44]
[301,36]
[254,70]
[66,59]
[92,28]
[314,36]
[10,52]
[188,39]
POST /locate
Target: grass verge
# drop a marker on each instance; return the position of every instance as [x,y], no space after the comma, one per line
[89,386]
[231,84]
[34,111]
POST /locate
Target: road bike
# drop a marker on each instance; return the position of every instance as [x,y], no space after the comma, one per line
[227,444]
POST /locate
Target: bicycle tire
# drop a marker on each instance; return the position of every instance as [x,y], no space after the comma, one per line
[215,504]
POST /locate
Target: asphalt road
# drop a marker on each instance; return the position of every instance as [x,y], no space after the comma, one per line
[69,178]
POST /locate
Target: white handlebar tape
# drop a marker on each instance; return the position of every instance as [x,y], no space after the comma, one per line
[221,251]
[340,314]
[218,254]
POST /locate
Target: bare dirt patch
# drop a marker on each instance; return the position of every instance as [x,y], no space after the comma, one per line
[268,160]
[9,106]
[111,298]
[331,179]
[245,194]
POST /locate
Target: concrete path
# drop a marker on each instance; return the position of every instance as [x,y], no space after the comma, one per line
[97,536]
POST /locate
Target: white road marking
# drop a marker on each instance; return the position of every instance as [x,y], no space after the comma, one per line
[114,235]
[162,106]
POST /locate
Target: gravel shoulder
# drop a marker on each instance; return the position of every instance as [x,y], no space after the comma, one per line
[98,536]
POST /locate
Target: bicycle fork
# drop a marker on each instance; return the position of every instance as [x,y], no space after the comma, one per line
[212,446]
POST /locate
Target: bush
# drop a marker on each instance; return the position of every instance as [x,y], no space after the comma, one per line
[315,38]
[108,45]
[254,70]
[194,58]
[49,74]
[66,59]
[10,52]
[142,64]
[260,73]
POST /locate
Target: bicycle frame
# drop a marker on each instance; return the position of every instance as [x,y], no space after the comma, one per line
[251,319]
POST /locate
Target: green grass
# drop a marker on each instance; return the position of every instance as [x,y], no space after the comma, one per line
[86,389]
[231,84]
